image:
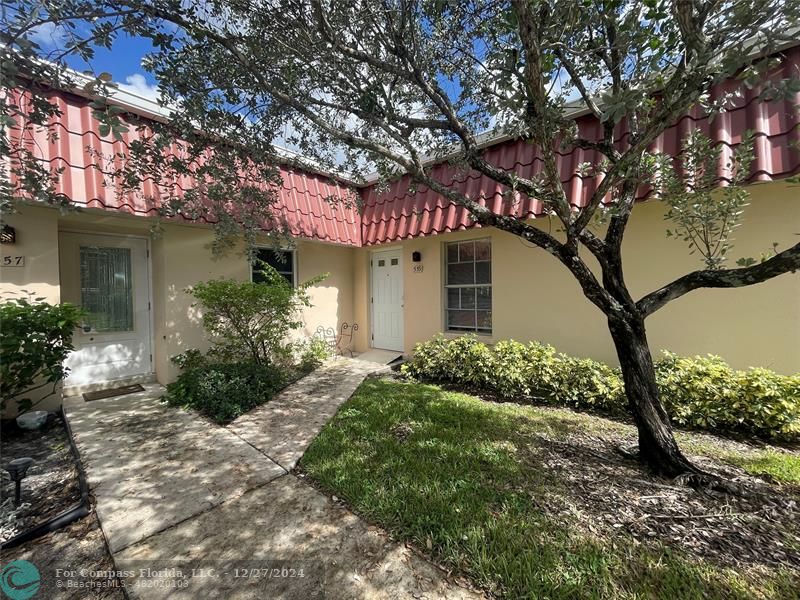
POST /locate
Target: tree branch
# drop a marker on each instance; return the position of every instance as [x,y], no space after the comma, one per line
[563,252]
[542,131]
[783,262]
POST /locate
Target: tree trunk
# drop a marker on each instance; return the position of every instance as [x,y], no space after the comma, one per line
[657,446]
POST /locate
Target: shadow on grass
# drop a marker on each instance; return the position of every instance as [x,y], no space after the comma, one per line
[529,504]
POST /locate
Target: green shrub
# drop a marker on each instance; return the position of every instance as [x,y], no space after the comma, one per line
[224,391]
[699,392]
[190,359]
[587,383]
[36,339]
[248,321]
[704,392]
[511,369]
[251,355]
[312,353]
[429,361]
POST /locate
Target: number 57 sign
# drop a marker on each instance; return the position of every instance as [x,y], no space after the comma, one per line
[13,261]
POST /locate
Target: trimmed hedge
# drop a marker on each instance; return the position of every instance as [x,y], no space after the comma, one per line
[698,392]
[705,393]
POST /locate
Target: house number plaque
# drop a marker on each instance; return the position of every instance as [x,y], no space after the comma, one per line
[13,261]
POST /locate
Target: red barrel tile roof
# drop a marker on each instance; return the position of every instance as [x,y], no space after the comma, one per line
[303,201]
[304,198]
[398,213]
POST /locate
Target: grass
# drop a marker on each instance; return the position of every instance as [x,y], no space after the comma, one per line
[781,466]
[464,480]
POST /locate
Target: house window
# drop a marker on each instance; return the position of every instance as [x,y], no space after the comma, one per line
[468,286]
[283,261]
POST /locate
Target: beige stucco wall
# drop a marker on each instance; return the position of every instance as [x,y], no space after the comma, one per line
[535,298]
[331,299]
[361,295]
[180,256]
[37,241]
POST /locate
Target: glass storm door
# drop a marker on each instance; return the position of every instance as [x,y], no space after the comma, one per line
[107,276]
[387,300]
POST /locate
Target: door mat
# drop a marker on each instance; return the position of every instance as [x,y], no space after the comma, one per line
[111,392]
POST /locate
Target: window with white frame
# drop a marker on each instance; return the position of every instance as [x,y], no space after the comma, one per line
[468,286]
[283,261]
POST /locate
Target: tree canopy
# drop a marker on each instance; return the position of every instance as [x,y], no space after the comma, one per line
[395,85]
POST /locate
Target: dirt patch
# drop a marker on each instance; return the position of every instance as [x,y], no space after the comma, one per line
[604,494]
[51,484]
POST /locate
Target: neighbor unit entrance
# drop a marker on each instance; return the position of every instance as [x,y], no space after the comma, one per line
[387,300]
[108,277]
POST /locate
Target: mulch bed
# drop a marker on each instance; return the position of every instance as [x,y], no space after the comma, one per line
[51,484]
[50,488]
[605,494]
[79,546]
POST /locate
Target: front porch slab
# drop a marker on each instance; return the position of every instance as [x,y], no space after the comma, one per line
[151,466]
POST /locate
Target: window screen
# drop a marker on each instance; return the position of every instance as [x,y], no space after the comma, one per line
[468,286]
[280,260]
[107,288]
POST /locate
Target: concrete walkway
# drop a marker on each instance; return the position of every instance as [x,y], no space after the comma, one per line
[283,428]
[212,512]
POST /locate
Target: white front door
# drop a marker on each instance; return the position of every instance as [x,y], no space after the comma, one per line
[108,277]
[387,300]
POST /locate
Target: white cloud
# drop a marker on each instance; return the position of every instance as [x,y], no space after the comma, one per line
[137,84]
[49,35]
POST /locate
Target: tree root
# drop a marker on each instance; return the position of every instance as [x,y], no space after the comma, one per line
[697,479]
[629,452]
[708,482]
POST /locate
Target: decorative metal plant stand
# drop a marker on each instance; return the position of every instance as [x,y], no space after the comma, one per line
[341,341]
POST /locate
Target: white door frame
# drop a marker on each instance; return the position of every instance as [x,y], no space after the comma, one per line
[372,256]
[149,280]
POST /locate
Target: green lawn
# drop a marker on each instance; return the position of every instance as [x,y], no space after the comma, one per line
[780,465]
[515,497]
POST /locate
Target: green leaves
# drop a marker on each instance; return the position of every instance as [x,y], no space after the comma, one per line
[36,339]
[223,391]
[513,370]
[251,321]
[704,392]
[698,392]
[109,119]
[705,199]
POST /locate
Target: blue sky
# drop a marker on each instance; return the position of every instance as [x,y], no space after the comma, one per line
[123,61]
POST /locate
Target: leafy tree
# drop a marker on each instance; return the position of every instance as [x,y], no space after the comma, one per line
[388,84]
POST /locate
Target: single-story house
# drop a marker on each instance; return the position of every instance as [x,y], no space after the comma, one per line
[406,264]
